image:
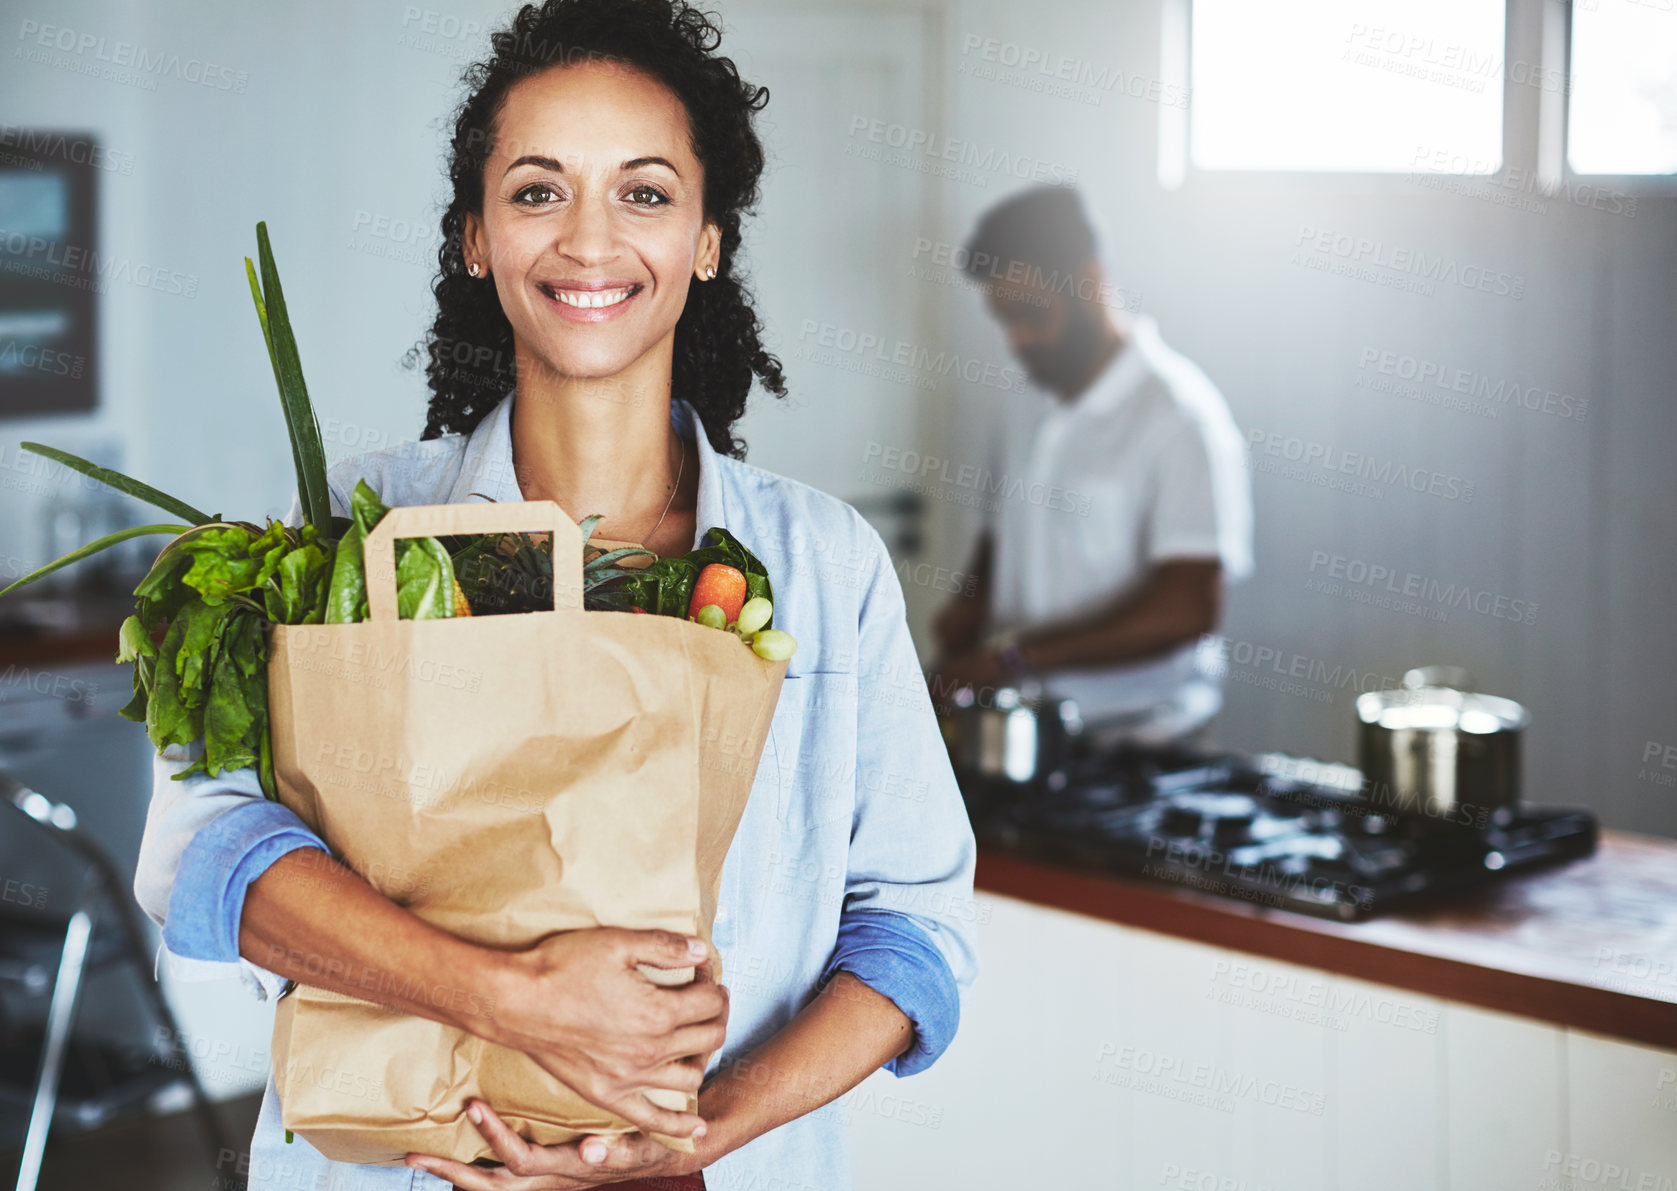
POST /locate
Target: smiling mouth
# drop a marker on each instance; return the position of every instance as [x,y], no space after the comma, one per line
[583,299]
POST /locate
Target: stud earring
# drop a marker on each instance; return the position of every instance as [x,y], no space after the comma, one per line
[472,268]
[710,273]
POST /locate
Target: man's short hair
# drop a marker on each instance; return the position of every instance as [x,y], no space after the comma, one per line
[1044,226]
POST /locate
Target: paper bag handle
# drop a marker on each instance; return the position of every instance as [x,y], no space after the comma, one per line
[425,521]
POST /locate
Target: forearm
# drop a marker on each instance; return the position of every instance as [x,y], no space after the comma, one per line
[1113,639]
[1178,605]
[312,920]
[840,1038]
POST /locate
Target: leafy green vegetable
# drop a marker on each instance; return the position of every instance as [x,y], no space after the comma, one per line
[124,484]
[424,576]
[307,453]
[665,587]
[122,535]
[513,572]
[424,580]
[299,595]
[198,636]
[346,601]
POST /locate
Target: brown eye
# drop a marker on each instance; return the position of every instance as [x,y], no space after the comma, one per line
[536,194]
[647,196]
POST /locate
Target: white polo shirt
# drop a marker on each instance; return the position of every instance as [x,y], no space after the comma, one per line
[1144,467]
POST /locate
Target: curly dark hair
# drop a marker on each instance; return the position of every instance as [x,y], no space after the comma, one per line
[718,347]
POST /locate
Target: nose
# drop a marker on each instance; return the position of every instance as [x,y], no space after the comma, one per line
[586,235]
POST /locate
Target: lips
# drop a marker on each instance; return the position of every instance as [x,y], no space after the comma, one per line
[590,301]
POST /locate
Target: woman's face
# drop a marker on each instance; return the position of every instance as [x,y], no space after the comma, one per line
[593,218]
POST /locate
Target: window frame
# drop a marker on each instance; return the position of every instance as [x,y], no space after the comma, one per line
[1535,122]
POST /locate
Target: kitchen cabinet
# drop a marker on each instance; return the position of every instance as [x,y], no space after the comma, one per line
[1098,1055]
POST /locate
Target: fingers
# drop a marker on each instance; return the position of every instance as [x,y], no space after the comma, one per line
[701,1039]
[511,1150]
[663,948]
[584,1159]
[650,1118]
[700,1001]
[683,1075]
[466,1178]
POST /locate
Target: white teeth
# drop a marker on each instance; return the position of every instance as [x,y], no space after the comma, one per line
[590,299]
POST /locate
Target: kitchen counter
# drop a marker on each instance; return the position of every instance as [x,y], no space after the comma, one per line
[1589,944]
[41,632]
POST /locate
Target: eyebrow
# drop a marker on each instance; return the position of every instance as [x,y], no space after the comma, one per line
[548,163]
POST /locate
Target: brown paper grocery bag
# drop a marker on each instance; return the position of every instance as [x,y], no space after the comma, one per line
[504,777]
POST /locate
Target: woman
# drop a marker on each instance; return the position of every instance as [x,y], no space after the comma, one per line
[594,346]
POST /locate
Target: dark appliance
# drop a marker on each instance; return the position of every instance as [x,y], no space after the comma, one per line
[1269,829]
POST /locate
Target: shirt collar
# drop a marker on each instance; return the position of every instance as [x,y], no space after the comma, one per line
[487,468]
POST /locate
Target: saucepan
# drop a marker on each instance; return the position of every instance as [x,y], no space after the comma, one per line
[1009,734]
[1438,748]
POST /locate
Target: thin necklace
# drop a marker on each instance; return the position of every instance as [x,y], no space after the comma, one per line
[676,487]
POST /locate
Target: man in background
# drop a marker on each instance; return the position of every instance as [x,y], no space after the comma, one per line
[1103,593]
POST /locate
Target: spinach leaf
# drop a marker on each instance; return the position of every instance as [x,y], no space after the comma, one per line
[168,719]
[227,718]
[424,580]
[205,623]
[297,593]
[346,601]
[222,563]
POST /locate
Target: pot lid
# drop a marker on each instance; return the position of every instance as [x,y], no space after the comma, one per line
[1441,709]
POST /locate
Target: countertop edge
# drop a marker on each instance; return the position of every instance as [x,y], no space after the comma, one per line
[1299,939]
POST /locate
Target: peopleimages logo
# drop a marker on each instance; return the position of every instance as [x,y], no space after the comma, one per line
[1319,462]
[1019,279]
[1031,68]
[26,255]
[1436,383]
[36,145]
[814,336]
[1359,574]
[145,64]
[972,478]
[1362,252]
[917,143]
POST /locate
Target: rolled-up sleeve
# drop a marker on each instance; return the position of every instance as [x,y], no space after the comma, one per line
[908,925]
[206,840]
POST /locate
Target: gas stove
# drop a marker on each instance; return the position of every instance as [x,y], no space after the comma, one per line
[1269,829]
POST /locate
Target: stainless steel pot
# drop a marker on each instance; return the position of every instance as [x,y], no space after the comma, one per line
[1009,735]
[1437,748]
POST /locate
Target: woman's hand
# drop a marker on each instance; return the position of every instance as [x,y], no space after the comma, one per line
[578,1005]
[588,1162]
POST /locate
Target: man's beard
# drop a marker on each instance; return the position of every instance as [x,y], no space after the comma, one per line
[1063,366]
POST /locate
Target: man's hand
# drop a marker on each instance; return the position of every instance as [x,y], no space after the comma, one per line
[587,1162]
[578,1005]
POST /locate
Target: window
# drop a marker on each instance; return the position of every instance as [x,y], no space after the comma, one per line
[1348,85]
[1622,116]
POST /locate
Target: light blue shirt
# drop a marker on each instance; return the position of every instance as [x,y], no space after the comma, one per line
[854,850]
